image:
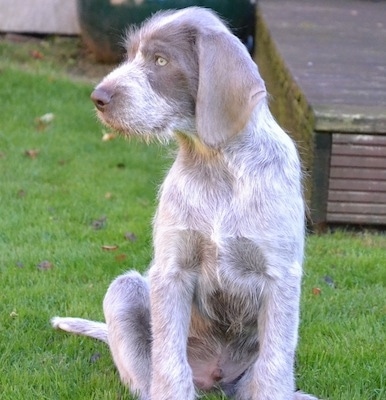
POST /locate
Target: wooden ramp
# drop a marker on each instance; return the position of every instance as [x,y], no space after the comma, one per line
[324,62]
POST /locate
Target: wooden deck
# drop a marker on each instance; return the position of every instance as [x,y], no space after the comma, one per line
[325,61]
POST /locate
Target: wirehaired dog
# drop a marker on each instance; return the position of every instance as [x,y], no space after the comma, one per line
[219,307]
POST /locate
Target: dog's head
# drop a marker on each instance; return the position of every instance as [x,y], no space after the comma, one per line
[184,72]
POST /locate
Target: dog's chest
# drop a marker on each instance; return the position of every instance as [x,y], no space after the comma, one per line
[204,216]
[204,198]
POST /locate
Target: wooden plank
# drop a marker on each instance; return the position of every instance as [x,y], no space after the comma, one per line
[356,208]
[356,197]
[356,219]
[354,161]
[358,150]
[358,173]
[345,118]
[367,140]
[357,185]
[320,177]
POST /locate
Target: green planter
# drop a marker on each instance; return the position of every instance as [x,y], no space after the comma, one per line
[103,22]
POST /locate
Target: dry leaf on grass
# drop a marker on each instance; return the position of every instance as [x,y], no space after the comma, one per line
[45,265]
[38,55]
[130,236]
[46,118]
[109,247]
[99,223]
[329,281]
[107,136]
[316,291]
[32,153]
[120,257]
[44,121]
[21,193]
[95,357]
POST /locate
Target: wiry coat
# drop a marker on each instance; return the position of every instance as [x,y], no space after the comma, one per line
[220,305]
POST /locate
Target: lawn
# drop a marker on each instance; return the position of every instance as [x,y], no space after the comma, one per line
[66,196]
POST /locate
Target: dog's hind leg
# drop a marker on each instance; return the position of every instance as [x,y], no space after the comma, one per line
[127,312]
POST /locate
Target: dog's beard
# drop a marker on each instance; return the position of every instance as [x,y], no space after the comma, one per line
[162,132]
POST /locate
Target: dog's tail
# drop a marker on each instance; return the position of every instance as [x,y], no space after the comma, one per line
[80,326]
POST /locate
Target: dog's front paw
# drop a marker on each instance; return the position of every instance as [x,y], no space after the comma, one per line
[173,393]
[172,386]
[303,396]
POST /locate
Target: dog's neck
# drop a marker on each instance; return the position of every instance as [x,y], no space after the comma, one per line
[261,132]
[193,147]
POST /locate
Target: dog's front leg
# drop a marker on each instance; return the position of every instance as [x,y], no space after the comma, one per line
[272,375]
[171,294]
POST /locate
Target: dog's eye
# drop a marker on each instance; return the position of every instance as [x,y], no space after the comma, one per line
[161,61]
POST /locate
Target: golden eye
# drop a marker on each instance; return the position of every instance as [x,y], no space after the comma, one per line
[161,61]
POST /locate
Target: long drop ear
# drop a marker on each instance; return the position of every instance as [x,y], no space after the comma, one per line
[229,88]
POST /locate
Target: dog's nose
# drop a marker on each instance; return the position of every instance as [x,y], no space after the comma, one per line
[101,98]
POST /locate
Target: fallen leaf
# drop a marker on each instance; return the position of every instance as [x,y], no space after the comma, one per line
[316,291]
[109,247]
[95,357]
[44,121]
[108,136]
[2,155]
[37,55]
[13,314]
[99,223]
[45,265]
[330,282]
[21,193]
[32,153]
[47,118]
[108,195]
[130,236]
[120,257]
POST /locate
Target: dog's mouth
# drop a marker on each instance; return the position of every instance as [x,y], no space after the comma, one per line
[161,133]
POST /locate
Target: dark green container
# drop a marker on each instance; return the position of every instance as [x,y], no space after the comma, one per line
[103,22]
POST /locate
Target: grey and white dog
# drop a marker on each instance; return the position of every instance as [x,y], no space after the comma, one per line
[219,307]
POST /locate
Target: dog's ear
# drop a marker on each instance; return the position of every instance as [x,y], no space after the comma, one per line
[229,87]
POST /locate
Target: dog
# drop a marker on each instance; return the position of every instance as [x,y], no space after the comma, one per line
[219,306]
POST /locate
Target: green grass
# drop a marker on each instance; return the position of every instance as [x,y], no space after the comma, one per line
[50,207]
[343,332]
